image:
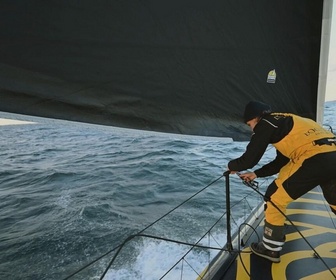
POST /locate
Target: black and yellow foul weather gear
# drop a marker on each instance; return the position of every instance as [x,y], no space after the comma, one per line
[306,157]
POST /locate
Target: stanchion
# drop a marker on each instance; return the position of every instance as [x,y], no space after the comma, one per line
[228,245]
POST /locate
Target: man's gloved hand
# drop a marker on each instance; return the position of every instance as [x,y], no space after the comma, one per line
[248,179]
[248,176]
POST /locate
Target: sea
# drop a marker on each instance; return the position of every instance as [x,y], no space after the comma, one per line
[77,199]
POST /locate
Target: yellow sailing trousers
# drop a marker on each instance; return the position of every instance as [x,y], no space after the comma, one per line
[299,177]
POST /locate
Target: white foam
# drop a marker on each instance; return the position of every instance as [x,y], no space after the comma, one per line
[13,122]
[155,258]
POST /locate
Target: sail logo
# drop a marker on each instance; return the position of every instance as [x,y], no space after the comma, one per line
[271,77]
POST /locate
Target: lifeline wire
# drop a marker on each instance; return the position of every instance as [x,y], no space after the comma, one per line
[205,247]
[200,239]
[118,247]
[130,237]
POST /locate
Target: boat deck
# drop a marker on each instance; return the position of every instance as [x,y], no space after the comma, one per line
[311,215]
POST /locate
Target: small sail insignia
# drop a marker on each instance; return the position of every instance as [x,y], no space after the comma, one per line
[271,78]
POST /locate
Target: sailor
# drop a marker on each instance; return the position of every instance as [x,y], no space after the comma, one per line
[305,158]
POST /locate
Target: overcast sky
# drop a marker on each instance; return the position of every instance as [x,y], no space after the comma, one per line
[331,78]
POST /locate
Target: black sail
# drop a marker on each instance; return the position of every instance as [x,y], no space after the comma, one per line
[171,66]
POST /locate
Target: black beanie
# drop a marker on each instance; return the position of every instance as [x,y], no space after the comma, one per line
[255,109]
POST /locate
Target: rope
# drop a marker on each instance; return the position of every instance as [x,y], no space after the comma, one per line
[239,250]
[327,207]
[295,227]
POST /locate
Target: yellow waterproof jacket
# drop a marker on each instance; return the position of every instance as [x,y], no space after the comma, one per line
[300,141]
